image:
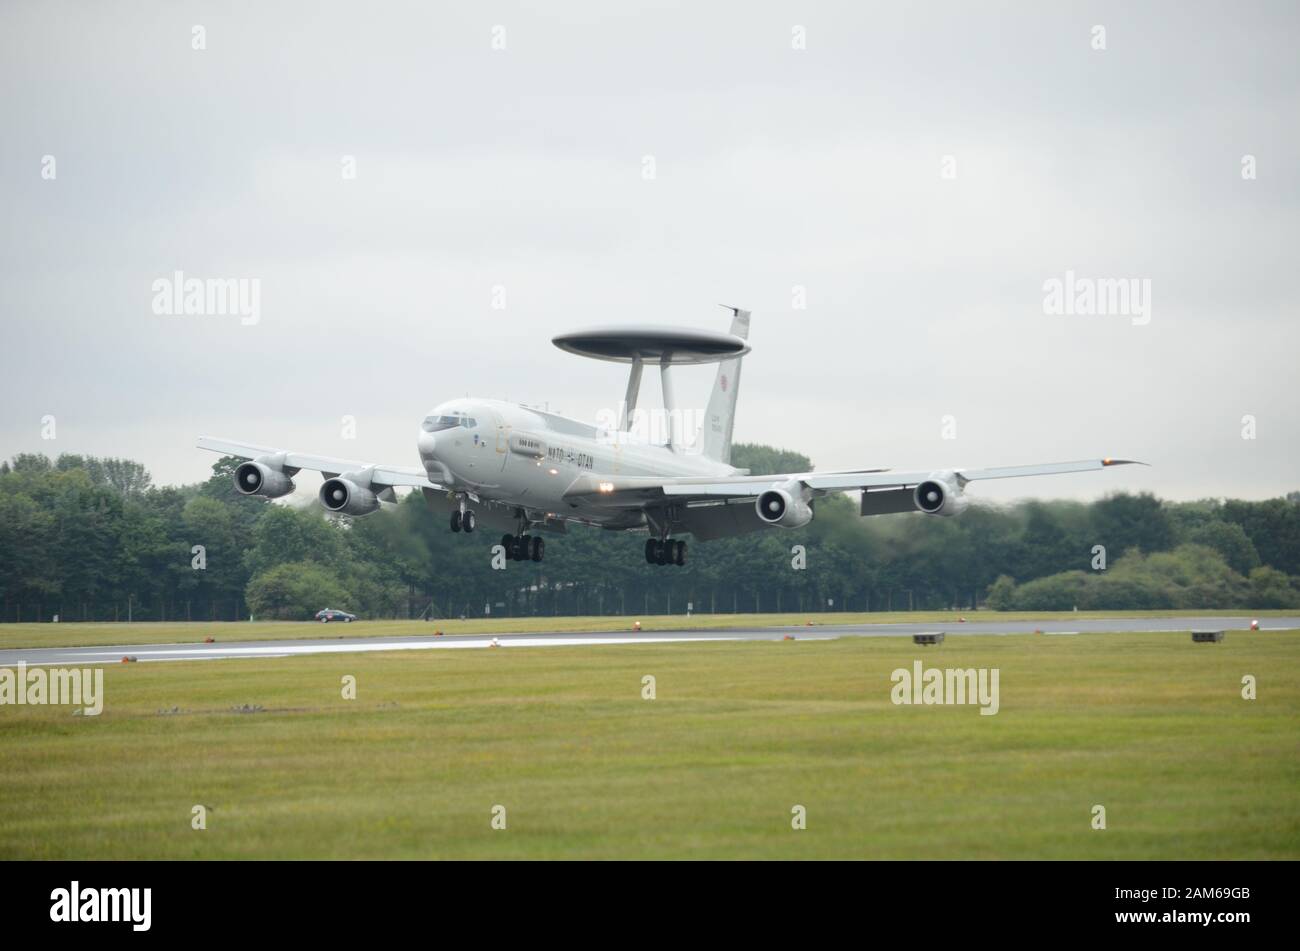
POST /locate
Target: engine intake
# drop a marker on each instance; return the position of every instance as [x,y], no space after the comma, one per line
[939,496]
[347,498]
[780,507]
[258,478]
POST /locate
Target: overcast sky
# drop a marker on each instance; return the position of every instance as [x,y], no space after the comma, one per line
[919,171]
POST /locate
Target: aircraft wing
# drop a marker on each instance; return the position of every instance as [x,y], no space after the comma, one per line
[637,491]
[382,476]
[885,479]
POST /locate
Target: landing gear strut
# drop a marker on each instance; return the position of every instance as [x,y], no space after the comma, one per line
[665,551]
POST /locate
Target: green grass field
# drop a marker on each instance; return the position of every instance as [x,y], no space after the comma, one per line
[1151,726]
[93,634]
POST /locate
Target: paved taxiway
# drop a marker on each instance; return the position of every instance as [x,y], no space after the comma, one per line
[80,656]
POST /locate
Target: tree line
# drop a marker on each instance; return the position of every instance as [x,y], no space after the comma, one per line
[95,539]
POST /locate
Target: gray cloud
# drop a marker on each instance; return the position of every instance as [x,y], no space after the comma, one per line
[775,167]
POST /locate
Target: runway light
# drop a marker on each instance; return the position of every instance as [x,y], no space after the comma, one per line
[788,637]
[636,625]
[928,638]
[209,640]
[1254,625]
[1206,637]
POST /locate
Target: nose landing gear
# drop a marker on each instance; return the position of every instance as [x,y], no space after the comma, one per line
[463,518]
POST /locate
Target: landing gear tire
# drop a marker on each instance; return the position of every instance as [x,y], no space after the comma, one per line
[455,521]
[665,552]
[467,521]
[524,547]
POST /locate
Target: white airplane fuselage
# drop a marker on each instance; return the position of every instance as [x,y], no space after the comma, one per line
[525,457]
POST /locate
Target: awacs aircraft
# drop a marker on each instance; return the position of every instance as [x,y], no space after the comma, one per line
[521,470]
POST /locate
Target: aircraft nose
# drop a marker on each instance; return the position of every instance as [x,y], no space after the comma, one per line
[426,442]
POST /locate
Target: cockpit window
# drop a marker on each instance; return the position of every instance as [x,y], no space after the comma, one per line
[436,424]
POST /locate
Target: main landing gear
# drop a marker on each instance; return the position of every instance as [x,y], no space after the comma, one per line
[521,546]
[524,547]
[665,551]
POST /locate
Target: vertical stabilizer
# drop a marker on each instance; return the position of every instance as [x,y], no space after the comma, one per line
[720,416]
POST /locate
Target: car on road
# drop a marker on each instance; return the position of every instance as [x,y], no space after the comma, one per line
[329,614]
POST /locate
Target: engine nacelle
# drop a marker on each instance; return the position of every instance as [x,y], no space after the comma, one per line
[258,478]
[347,498]
[782,506]
[940,495]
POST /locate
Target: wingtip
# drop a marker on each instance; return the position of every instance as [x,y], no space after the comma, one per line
[1124,462]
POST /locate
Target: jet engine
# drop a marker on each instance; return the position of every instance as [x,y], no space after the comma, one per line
[785,506]
[940,495]
[262,478]
[347,498]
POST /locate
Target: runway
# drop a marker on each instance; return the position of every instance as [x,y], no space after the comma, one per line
[82,656]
